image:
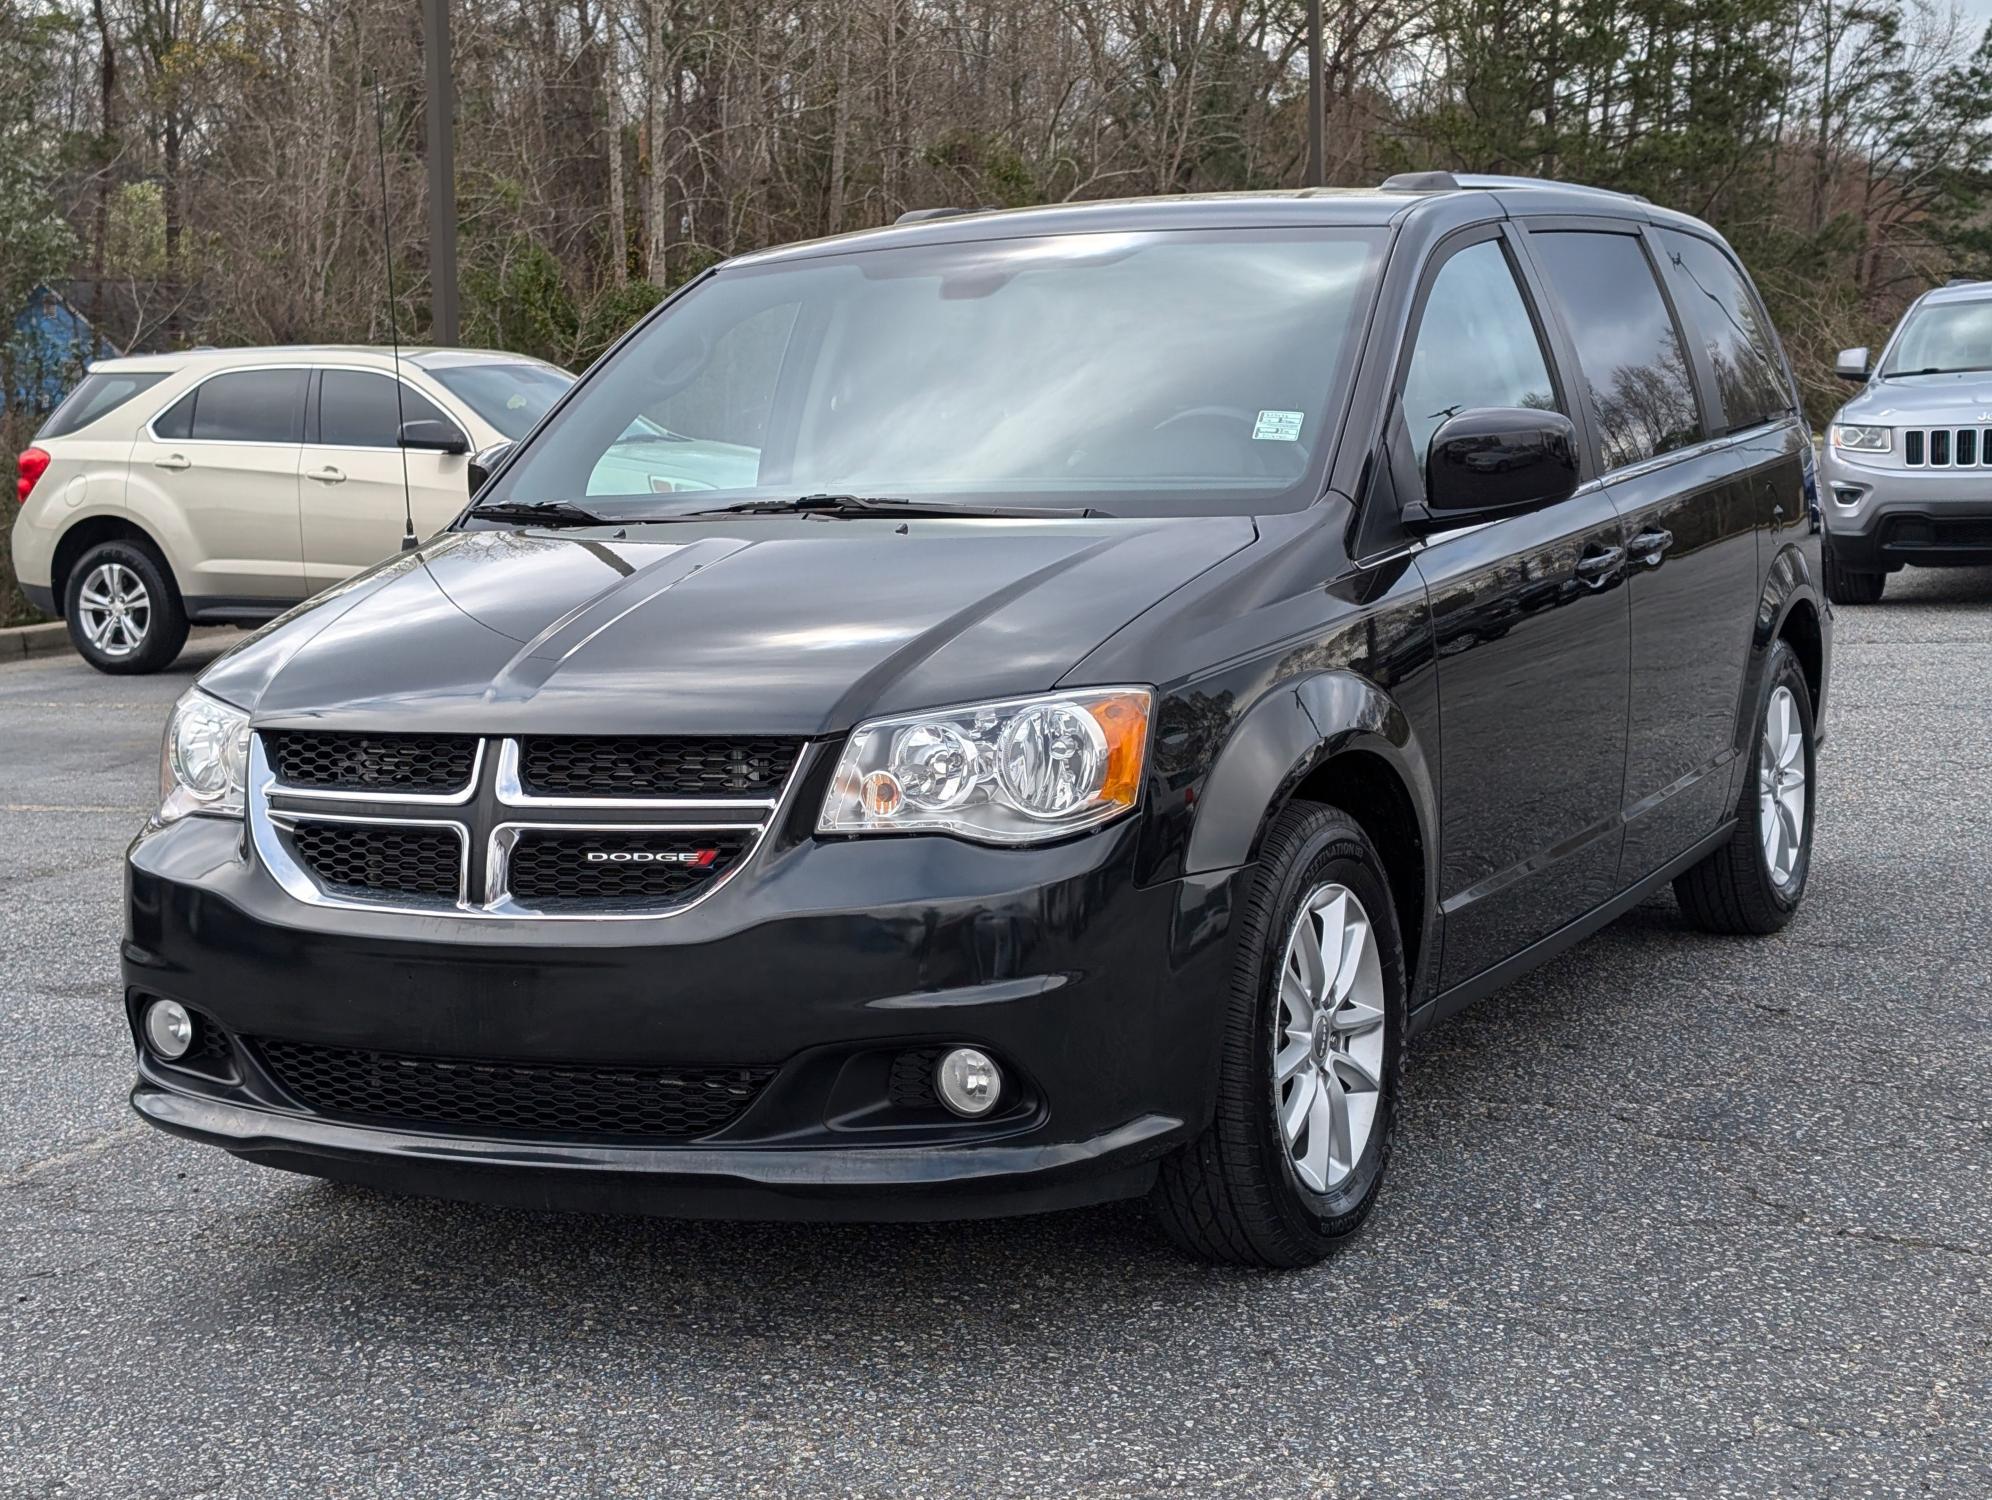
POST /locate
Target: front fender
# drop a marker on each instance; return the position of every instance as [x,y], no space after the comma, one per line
[1285,737]
[1791,580]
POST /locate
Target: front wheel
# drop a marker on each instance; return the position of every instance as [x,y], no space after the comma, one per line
[1308,1074]
[1753,883]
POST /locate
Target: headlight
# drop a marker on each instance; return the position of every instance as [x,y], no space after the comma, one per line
[204,762]
[1017,772]
[1860,439]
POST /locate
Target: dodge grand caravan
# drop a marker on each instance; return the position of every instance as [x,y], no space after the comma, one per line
[1146,662]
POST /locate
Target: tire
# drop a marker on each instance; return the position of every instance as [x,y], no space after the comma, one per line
[1235,1195]
[1846,585]
[1736,889]
[141,640]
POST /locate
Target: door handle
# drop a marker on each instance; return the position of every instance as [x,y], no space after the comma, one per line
[173,461]
[1597,565]
[327,475]
[1649,546]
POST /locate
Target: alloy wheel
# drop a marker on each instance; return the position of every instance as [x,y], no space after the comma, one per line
[115,609]
[1328,1044]
[1781,785]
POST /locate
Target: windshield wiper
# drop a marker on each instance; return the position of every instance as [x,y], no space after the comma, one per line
[1938,370]
[888,505]
[542,513]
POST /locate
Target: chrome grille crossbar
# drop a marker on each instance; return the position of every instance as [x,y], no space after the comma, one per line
[487,818]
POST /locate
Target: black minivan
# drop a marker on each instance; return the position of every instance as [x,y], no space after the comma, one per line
[1008,711]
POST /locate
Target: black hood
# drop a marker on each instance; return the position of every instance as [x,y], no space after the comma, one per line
[776,626]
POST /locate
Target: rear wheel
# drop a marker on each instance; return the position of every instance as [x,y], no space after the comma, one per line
[1849,586]
[1309,1069]
[1753,883]
[123,613]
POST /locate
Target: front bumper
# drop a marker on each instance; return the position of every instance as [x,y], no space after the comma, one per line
[820,964]
[1881,516]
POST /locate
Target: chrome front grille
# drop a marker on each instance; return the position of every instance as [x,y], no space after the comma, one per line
[1947,447]
[396,859]
[658,766]
[429,764]
[448,825]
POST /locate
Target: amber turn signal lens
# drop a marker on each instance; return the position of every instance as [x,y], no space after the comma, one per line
[1124,720]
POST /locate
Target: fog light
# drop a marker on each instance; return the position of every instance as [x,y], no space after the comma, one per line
[968,1082]
[169,1028]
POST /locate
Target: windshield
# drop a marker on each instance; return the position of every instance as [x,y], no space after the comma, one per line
[1944,337]
[510,397]
[1147,372]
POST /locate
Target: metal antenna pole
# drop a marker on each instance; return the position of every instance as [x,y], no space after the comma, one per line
[442,173]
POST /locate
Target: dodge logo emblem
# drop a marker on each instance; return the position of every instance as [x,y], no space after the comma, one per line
[698,857]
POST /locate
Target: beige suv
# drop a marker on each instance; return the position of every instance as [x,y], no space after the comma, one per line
[224,486]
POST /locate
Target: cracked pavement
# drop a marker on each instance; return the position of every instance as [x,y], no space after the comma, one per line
[1673,1215]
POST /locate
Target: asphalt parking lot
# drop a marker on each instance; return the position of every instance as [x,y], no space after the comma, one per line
[1676,1215]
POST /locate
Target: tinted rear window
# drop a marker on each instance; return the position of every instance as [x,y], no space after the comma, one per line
[1718,304]
[96,396]
[250,406]
[1630,352]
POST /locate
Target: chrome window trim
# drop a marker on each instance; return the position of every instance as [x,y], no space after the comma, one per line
[445,407]
[413,799]
[512,792]
[182,395]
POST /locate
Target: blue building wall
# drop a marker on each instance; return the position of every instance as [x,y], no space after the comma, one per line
[50,345]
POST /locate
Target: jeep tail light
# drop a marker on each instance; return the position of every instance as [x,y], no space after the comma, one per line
[33,462]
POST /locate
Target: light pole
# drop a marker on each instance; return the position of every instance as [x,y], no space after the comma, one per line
[442,173]
[1317,159]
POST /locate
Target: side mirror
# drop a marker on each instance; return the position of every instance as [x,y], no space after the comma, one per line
[432,436]
[1852,364]
[1495,461]
[483,465]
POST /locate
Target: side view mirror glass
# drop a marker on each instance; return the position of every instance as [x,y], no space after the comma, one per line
[1495,461]
[1852,364]
[432,436]
[485,463]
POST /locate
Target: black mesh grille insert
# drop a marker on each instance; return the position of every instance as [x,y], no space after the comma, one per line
[630,766]
[381,859]
[551,869]
[428,763]
[436,1093]
[210,1053]
[911,1084]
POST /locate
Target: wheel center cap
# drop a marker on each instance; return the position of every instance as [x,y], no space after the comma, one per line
[1323,1034]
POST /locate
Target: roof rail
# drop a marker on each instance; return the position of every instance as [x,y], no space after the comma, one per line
[1496,180]
[1964,281]
[921,215]
[1447,182]
[1421,182]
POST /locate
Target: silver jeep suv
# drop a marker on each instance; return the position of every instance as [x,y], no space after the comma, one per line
[1908,464]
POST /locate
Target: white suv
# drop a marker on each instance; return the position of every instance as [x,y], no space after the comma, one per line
[224,486]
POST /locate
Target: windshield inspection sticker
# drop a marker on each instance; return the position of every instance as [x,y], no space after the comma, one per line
[1277,427]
